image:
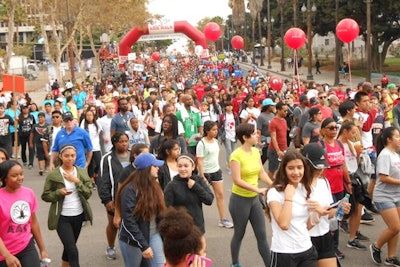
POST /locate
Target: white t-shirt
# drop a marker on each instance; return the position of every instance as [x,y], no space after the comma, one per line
[72,205]
[351,159]
[321,193]
[388,163]
[94,133]
[230,127]
[245,113]
[296,239]
[105,123]
[367,138]
[210,154]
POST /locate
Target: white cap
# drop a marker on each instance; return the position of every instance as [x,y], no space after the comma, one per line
[115,93]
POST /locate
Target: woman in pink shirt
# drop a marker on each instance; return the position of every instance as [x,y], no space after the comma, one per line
[19,227]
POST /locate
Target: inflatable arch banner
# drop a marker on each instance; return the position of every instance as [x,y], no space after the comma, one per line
[177,27]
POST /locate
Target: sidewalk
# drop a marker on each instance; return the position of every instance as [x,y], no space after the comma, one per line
[325,76]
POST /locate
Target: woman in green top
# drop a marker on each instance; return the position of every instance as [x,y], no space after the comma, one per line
[244,204]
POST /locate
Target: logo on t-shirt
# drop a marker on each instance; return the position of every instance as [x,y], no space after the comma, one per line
[20,212]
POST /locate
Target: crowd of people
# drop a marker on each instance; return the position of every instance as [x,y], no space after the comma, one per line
[151,140]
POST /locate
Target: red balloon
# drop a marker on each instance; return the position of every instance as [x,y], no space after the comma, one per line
[237,42]
[295,38]
[212,31]
[156,56]
[347,30]
[276,83]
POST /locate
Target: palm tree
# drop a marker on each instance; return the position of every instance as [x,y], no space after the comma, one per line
[238,13]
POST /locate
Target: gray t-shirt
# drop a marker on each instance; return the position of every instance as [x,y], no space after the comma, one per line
[311,130]
[388,163]
[298,112]
[263,122]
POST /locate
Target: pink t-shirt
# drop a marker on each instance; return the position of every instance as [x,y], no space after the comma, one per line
[16,211]
[336,159]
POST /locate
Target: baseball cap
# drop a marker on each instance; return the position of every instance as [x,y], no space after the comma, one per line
[67,116]
[145,160]
[391,86]
[315,154]
[303,97]
[268,102]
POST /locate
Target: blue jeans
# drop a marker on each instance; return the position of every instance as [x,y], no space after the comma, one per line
[229,147]
[133,255]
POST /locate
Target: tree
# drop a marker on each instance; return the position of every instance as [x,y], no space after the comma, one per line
[238,13]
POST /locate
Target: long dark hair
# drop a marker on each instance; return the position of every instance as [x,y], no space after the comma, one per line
[86,124]
[381,140]
[166,145]
[281,179]
[150,197]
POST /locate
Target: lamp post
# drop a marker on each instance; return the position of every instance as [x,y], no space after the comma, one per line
[309,10]
[262,45]
[281,4]
[269,34]
[368,41]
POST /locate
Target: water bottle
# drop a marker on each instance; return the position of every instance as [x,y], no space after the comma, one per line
[45,262]
[339,212]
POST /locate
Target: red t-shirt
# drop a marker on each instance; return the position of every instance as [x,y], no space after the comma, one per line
[279,126]
[341,95]
[325,111]
[199,90]
[334,155]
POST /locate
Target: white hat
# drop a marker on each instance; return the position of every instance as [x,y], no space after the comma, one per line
[109,86]
[115,93]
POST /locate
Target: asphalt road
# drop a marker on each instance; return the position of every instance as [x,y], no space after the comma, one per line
[92,242]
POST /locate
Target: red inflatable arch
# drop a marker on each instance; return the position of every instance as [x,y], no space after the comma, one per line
[178,27]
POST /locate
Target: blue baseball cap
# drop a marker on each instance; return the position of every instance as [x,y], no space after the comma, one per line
[145,160]
[268,102]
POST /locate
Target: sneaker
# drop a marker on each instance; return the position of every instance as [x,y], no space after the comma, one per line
[94,186]
[361,237]
[41,172]
[339,254]
[375,254]
[392,262]
[111,253]
[30,166]
[236,265]
[355,244]
[367,218]
[344,226]
[225,223]
[24,163]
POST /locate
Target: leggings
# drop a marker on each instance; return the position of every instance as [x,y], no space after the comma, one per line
[24,141]
[244,209]
[94,163]
[27,257]
[69,228]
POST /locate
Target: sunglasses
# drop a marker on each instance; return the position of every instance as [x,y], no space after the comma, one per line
[322,97]
[55,117]
[332,128]
[68,119]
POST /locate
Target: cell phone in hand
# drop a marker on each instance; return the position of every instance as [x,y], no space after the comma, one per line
[206,260]
[334,205]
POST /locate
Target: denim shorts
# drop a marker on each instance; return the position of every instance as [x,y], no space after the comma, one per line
[214,177]
[386,205]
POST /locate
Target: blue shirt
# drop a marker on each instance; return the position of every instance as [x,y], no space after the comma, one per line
[119,122]
[79,138]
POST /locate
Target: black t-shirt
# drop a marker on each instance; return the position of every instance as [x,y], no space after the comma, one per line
[5,123]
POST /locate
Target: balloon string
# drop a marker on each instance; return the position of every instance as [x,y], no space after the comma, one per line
[298,71]
[348,63]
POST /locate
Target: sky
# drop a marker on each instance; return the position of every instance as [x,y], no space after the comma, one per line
[190,10]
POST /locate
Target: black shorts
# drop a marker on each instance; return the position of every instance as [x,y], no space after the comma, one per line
[40,153]
[324,246]
[214,177]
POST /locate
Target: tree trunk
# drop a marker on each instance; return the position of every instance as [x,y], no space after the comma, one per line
[10,45]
